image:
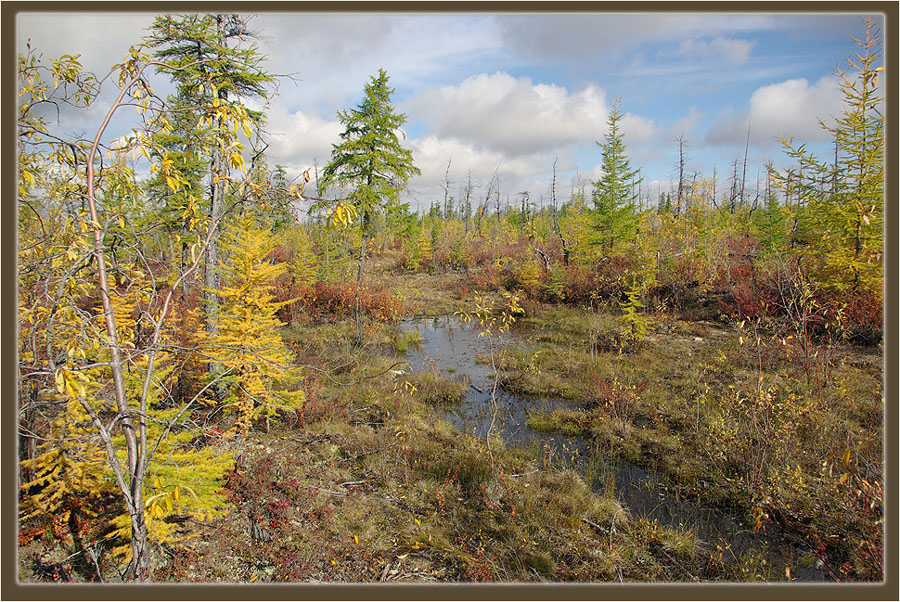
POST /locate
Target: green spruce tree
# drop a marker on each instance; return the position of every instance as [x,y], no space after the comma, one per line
[370,161]
[212,59]
[614,196]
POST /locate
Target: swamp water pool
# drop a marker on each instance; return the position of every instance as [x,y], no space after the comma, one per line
[454,350]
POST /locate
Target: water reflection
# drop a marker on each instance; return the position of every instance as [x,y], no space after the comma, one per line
[454,350]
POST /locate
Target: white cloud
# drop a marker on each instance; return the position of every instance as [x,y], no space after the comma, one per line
[593,34]
[734,51]
[332,56]
[637,129]
[432,153]
[512,115]
[522,172]
[298,139]
[102,39]
[790,108]
[597,36]
[685,125]
[493,118]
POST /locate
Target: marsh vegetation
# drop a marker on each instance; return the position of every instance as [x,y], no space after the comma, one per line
[216,387]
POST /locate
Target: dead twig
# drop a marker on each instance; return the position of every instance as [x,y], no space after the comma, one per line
[678,564]
[599,528]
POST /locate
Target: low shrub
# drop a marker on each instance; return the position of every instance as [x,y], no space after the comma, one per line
[338,300]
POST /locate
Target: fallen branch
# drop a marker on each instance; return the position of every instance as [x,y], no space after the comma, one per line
[599,528]
[328,491]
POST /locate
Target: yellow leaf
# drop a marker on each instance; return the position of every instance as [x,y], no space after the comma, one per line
[253,578]
[847,456]
[356,539]
[70,387]
[177,493]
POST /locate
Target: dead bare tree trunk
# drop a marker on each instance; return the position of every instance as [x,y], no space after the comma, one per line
[467,207]
[446,188]
[680,173]
[482,209]
[554,215]
[746,151]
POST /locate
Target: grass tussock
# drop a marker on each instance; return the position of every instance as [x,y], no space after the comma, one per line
[435,390]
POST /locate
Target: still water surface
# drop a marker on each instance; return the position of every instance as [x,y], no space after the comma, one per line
[453,349]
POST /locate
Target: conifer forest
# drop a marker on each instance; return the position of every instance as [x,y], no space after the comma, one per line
[232,370]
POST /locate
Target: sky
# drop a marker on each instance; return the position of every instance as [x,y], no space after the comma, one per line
[513,93]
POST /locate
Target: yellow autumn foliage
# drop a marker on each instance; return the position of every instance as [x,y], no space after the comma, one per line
[256,363]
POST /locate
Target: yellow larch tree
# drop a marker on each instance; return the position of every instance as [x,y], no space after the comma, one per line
[256,362]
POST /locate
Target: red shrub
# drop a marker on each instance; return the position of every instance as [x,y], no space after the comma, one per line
[863,308]
[605,280]
[317,408]
[862,314]
[580,284]
[488,278]
[479,253]
[338,300]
